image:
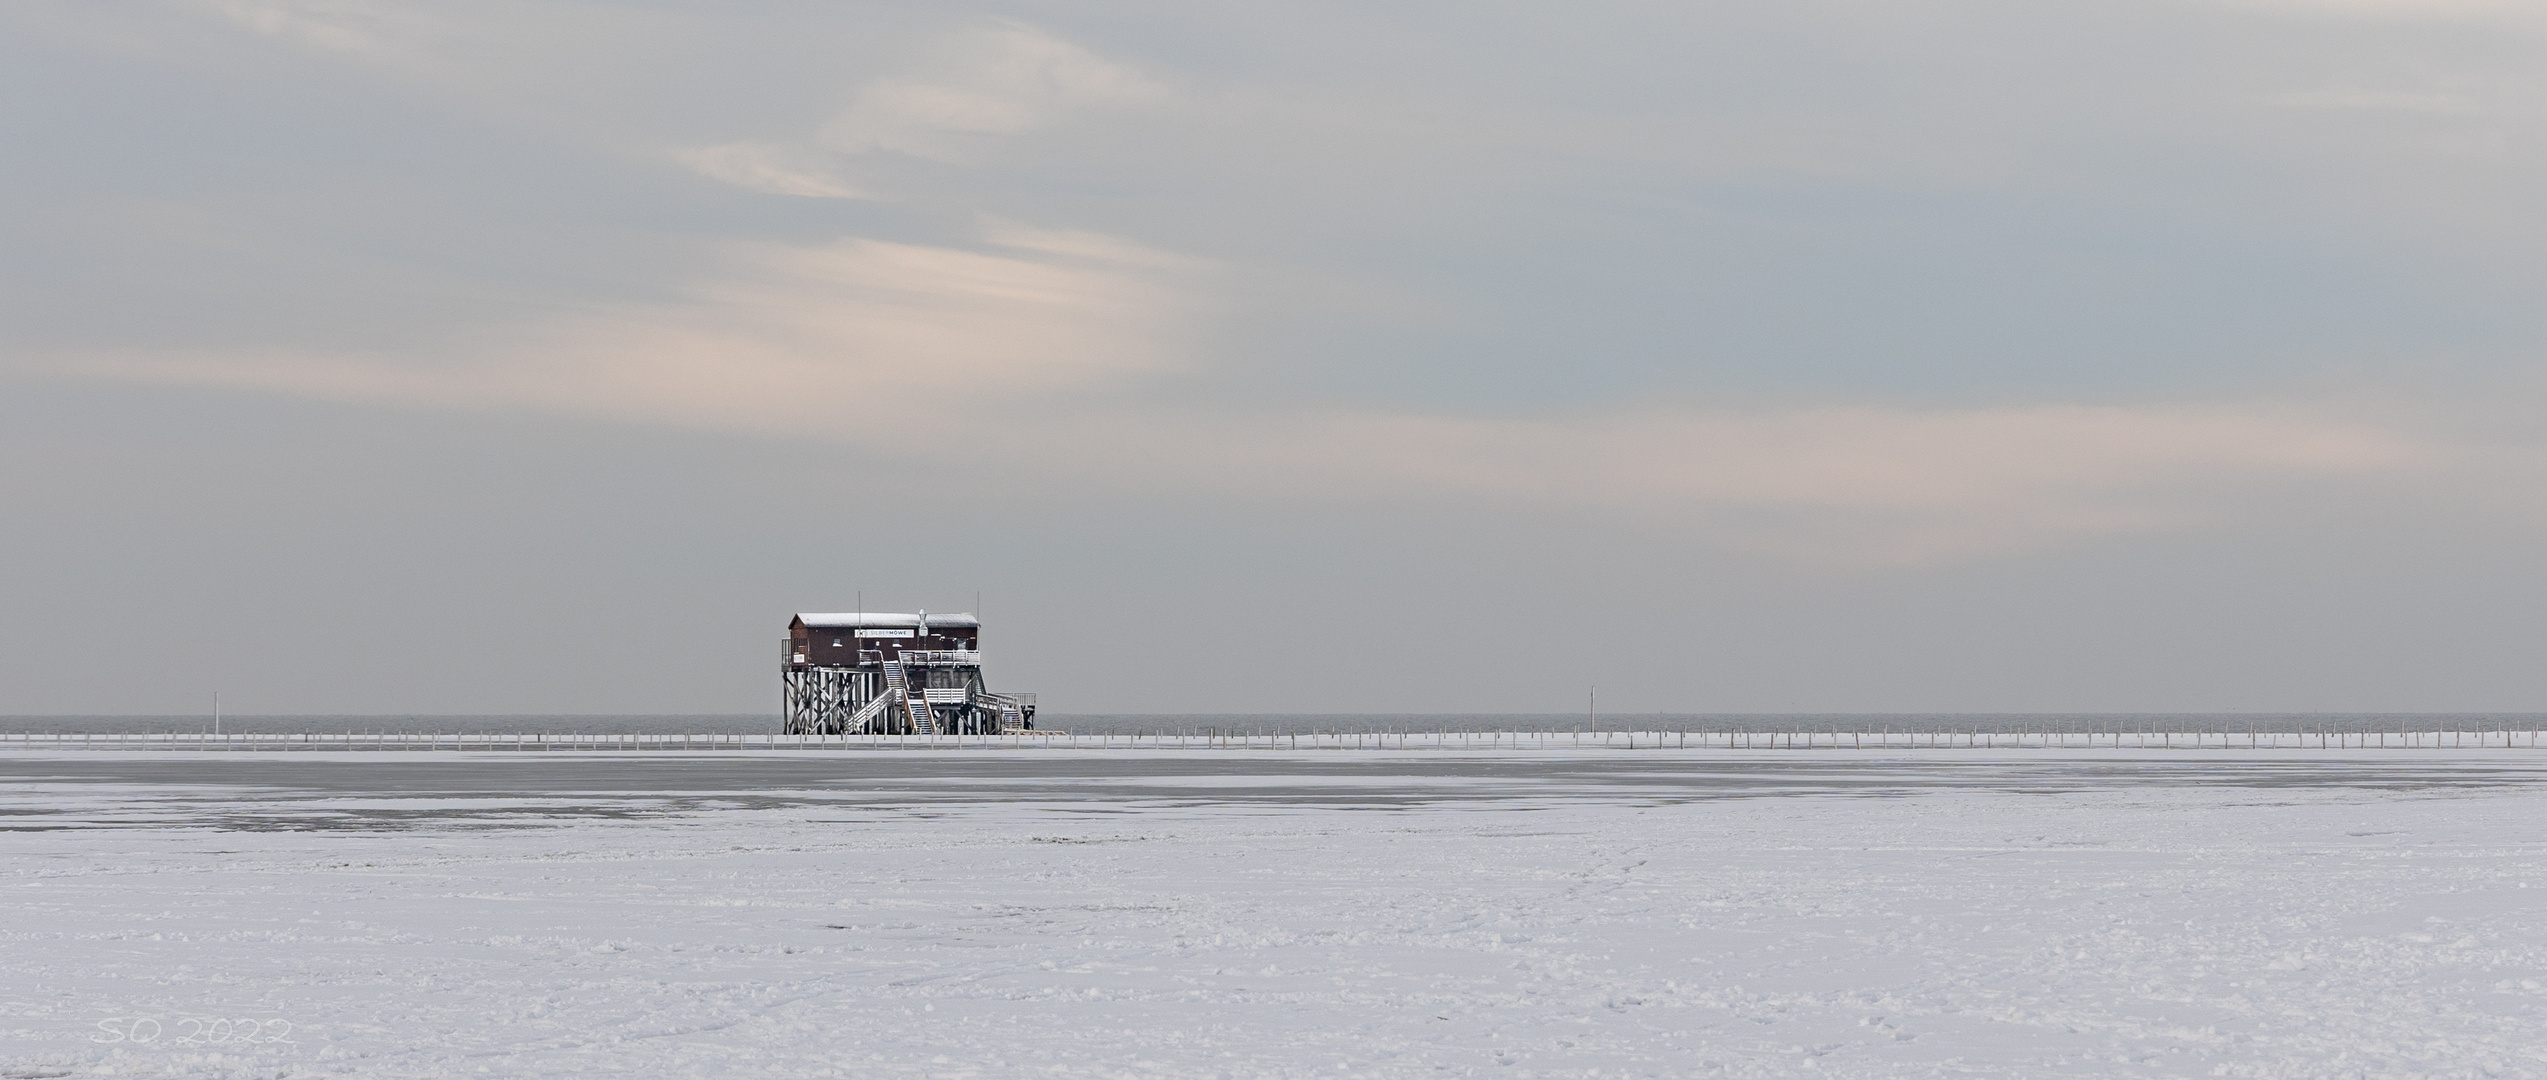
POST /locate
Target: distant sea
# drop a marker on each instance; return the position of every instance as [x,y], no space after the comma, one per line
[1303,723]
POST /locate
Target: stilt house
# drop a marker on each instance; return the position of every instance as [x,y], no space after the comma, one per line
[887,673]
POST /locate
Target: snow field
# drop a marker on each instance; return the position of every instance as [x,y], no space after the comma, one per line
[2116,929]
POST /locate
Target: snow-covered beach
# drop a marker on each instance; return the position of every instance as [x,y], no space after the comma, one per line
[1243,914]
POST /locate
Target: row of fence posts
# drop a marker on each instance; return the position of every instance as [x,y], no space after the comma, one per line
[1971,737]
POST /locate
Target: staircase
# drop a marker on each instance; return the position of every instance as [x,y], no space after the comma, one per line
[895,686]
[1012,712]
[858,723]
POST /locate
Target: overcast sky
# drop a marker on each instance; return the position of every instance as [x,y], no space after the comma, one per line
[380,357]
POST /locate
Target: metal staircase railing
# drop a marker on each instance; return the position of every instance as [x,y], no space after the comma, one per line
[917,704]
[858,720]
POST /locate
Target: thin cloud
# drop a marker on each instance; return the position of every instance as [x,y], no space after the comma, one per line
[997,79]
[875,343]
[964,91]
[1081,244]
[859,338]
[765,168]
[1854,485]
[867,340]
[354,28]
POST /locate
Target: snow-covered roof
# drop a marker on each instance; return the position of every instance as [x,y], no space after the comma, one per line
[845,619]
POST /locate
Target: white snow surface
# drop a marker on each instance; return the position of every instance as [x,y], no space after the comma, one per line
[1243,914]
